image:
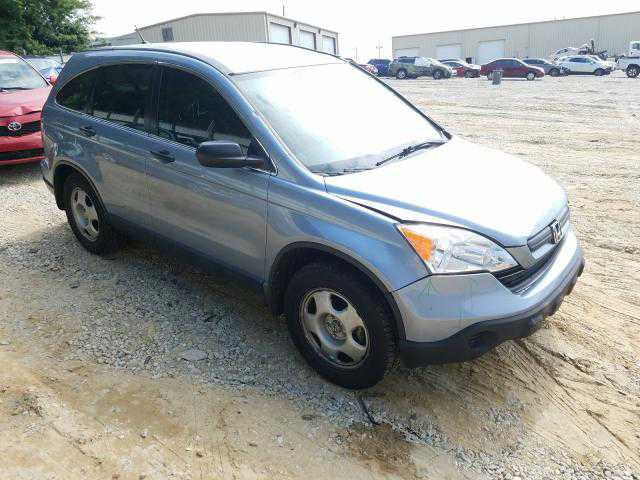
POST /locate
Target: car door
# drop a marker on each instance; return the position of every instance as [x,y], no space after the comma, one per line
[216,212]
[120,109]
[420,66]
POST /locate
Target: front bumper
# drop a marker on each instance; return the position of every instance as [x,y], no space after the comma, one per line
[452,318]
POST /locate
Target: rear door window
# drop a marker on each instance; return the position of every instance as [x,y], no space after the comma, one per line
[123,93]
[191,111]
[76,93]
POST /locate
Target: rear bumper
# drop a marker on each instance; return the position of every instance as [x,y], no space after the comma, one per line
[479,338]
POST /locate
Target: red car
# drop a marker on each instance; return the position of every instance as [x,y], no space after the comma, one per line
[23,92]
[512,68]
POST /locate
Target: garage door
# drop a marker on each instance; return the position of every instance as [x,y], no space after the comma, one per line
[405,52]
[307,39]
[279,33]
[449,51]
[329,44]
[488,51]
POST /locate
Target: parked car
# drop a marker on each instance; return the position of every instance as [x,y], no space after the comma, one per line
[382,64]
[512,68]
[317,199]
[585,65]
[48,67]
[23,92]
[462,68]
[414,67]
[549,68]
[630,65]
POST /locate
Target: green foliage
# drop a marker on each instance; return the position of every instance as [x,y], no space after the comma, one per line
[44,27]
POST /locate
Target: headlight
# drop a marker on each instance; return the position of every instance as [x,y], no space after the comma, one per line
[455,250]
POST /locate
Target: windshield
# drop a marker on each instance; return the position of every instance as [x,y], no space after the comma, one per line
[335,116]
[43,63]
[15,74]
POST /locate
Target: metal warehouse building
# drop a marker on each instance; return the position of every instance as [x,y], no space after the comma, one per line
[240,26]
[539,39]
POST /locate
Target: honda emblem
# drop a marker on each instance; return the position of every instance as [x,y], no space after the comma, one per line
[556,231]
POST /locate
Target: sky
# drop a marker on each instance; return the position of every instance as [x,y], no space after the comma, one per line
[362,25]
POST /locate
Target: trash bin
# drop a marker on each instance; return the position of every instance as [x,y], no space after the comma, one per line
[496,77]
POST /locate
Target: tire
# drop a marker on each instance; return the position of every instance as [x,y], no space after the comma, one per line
[469,74]
[554,72]
[633,71]
[344,291]
[87,218]
[401,74]
[437,74]
[531,76]
[599,72]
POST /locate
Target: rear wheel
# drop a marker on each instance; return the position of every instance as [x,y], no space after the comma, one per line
[468,74]
[554,72]
[401,74]
[340,324]
[86,217]
[633,71]
[531,76]
[599,72]
[437,74]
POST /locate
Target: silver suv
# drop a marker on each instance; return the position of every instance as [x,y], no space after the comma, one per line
[378,236]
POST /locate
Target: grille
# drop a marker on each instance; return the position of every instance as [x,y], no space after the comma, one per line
[20,154]
[26,129]
[517,278]
[545,235]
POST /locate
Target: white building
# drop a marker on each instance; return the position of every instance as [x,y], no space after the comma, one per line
[540,39]
[238,26]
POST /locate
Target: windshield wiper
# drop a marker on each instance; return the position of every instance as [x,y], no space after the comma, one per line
[342,171]
[409,150]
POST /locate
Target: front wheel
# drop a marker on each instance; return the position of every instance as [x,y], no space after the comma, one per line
[633,71]
[340,325]
[599,72]
[401,74]
[469,74]
[531,76]
[437,74]
[554,72]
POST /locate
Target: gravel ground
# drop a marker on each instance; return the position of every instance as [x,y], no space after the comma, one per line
[135,365]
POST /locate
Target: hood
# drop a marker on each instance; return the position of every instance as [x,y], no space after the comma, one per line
[14,103]
[460,184]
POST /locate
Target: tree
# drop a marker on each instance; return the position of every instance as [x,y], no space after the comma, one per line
[44,27]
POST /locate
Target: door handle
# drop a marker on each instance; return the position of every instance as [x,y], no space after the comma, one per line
[163,155]
[88,131]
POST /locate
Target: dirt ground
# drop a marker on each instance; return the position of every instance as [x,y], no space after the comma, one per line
[93,384]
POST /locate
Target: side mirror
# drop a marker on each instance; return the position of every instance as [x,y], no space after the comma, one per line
[223,154]
[52,79]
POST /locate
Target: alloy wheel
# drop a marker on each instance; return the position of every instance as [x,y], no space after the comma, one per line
[85,214]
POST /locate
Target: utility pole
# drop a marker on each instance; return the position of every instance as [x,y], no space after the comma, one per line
[379,47]
[283,10]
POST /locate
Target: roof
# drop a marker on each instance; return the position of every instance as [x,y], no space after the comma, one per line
[234,58]
[234,13]
[515,24]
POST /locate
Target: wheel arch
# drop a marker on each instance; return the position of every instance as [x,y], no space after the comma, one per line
[60,175]
[296,255]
